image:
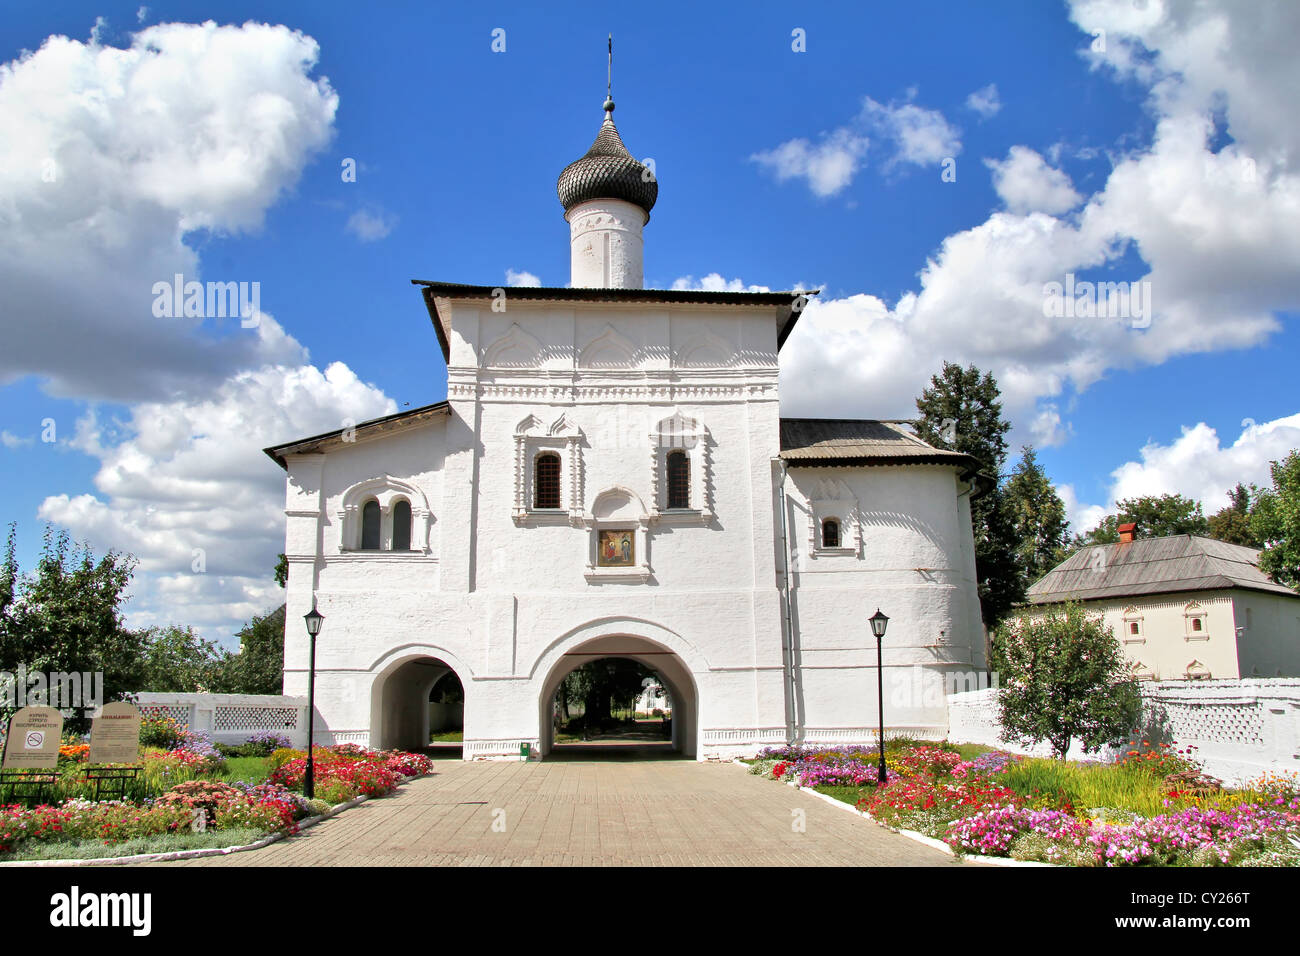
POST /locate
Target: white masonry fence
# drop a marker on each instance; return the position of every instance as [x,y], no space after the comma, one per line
[232,718]
[1240,728]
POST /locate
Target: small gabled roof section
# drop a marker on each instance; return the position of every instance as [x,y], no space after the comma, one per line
[862,441]
[373,428]
[788,305]
[1180,562]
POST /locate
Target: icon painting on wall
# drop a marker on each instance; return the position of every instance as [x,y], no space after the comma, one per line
[617,549]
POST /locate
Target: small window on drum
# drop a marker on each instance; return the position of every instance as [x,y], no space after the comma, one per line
[370,526]
[546,481]
[402,526]
[679,480]
[830,533]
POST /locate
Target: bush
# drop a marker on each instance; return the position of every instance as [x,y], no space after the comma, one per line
[159,730]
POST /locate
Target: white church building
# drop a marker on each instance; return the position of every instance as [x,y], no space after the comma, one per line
[610,476]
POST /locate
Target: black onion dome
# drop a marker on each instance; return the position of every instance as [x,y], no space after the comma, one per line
[607,171]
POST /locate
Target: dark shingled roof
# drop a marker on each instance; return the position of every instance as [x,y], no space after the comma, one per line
[607,171]
[853,441]
[1180,562]
[374,427]
[791,304]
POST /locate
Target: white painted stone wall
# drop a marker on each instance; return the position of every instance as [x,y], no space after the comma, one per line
[509,599]
[233,718]
[1241,728]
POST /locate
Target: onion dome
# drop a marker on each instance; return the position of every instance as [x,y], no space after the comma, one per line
[607,171]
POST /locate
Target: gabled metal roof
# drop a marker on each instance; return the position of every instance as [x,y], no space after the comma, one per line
[861,441]
[1181,562]
[369,429]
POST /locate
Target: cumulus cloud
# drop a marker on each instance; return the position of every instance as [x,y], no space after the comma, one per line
[1218,232]
[110,157]
[908,134]
[828,166]
[985,101]
[183,485]
[919,136]
[714,282]
[1027,184]
[522,279]
[1196,465]
[10,440]
[371,224]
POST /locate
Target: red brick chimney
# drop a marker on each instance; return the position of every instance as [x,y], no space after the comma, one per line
[1126,532]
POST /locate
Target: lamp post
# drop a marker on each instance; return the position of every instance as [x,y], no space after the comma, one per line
[878,623]
[314,619]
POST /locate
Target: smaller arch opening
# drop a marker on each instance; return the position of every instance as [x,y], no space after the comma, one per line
[370,518]
[402,526]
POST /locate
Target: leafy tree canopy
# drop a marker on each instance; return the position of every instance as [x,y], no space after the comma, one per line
[1064,677]
[1275,521]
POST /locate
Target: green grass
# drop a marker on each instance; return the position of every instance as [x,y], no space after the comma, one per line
[448,737]
[849,794]
[247,769]
[1089,785]
[971,751]
[159,843]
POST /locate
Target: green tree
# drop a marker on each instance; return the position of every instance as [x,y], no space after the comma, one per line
[1063,677]
[1275,521]
[1041,526]
[1156,516]
[66,617]
[282,570]
[961,411]
[1232,522]
[177,660]
[258,668]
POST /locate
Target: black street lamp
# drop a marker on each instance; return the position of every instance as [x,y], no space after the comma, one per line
[314,619]
[878,623]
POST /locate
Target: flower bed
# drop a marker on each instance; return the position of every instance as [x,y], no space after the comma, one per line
[1154,807]
[181,800]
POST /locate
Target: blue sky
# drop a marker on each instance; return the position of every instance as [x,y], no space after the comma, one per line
[1167,154]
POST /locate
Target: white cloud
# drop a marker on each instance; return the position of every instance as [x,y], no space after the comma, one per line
[1027,184]
[920,136]
[10,440]
[110,157]
[829,166]
[985,101]
[912,134]
[713,282]
[141,14]
[1196,465]
[371,225]
[190,474]
[1220,245]
[522,279]
[1082,517]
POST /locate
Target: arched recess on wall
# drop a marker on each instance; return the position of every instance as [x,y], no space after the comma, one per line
[387,492]
[399,694]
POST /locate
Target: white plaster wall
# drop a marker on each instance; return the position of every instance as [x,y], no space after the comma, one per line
[1269,625]
[605,245]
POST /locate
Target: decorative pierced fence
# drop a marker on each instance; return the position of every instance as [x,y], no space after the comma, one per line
[1240,728]
[233,718]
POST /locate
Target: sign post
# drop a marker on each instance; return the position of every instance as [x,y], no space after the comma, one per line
[31,755]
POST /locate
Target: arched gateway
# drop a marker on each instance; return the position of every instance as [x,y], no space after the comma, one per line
[672,670]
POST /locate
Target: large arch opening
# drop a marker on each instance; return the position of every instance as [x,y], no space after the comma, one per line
[414,700]
[642,666]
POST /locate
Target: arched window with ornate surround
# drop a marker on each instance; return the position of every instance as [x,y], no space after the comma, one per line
[402,526]
[679,479]
[546,481]
[831,533]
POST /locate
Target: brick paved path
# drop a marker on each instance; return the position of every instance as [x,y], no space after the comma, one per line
[581,812]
